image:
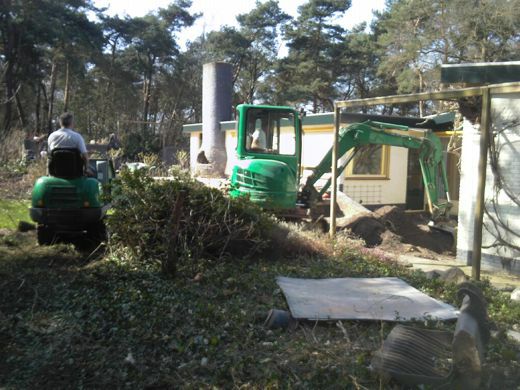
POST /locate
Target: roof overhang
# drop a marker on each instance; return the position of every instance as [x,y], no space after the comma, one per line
[438,122]
[481,73]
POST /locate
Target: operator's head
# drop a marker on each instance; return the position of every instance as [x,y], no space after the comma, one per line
[66,119]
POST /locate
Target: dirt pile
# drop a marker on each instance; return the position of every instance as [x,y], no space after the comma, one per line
[368,227]
[389,227]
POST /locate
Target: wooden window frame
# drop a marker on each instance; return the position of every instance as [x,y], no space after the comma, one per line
[384,169]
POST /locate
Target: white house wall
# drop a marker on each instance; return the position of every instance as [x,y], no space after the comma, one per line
[231,145]
[194,148]
[468,189]
[504,114]
[314,146]
[365,191]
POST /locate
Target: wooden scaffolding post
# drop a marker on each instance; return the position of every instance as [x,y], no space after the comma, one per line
[334,169]
[485,122]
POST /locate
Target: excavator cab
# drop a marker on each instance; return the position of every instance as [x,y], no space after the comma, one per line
[268,154]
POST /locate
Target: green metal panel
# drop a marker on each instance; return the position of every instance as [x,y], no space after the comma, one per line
[481,73]
[270,183]
[54,192]
[192,127]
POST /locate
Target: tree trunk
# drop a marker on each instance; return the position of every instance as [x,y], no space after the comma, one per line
[9,92]
[54,71]
[37,108]
[443,32]
[19,108]
[147,85]
[252,83]
[107,114]
[146,100]
[421,102]
[66,97]
[10,53]
[45,109]
[154,116]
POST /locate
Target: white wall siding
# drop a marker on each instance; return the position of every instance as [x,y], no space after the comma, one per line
[194,149]
[231,146]
[500,207]
[468,189]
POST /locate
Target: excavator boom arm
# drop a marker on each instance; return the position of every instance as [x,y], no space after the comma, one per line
[376,133]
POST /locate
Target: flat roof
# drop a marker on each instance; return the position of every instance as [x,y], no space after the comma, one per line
[480,64]
[439,122]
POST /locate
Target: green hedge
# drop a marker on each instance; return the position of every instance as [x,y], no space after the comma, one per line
[211,225]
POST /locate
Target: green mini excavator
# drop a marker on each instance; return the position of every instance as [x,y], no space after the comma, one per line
[269,172]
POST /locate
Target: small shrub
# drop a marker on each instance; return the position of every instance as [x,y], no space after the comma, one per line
[154,164]
[149,159]
[183,159]
[211,225]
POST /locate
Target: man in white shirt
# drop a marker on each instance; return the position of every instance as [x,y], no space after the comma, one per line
[65,137]
[259,140]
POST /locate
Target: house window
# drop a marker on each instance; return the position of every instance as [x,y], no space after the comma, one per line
[369,162]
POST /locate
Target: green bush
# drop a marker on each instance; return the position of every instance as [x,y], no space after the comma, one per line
[211,225]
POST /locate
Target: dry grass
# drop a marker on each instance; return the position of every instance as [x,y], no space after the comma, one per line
[11,147]
[16,184]
[16,176]
[36,170]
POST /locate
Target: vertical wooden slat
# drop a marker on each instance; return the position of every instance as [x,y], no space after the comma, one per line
[334,169]
[485,122]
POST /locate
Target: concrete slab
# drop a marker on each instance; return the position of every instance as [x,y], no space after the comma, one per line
[500,280]
[387,299]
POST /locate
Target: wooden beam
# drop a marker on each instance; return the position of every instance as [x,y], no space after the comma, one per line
[452,94]
[485,125]
[505,88]
[334,170]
